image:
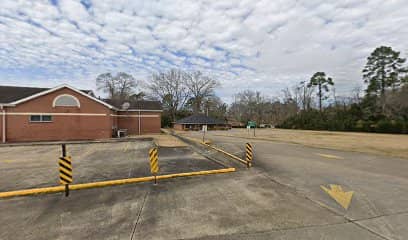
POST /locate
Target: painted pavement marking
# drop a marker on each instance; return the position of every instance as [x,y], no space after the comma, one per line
[339,195]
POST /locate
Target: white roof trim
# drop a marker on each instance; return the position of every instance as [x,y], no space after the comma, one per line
[6,105]
[58,88]
[137,110]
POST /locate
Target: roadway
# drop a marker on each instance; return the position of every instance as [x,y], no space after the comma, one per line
[279,198]
[380,183]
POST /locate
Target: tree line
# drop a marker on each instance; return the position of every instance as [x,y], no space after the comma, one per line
[310,104]
[382,108]
[181,92]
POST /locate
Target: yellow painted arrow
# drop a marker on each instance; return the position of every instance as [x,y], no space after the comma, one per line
[336,192]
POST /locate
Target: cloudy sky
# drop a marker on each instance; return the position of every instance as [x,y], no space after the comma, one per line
[259,45]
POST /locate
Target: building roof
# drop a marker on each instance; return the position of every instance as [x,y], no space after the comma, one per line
[200,119]
[136,105]
[13,95]
[9,94]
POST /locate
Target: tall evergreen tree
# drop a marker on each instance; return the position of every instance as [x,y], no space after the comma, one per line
[322,83]
[383,71]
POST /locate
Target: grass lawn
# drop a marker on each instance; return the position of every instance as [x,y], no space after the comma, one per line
[386,144]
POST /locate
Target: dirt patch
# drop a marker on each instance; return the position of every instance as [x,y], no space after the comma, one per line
[165,140]
[386,144]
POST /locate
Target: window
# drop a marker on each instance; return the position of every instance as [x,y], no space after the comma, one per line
[46,118]
[40,118]
[66,100]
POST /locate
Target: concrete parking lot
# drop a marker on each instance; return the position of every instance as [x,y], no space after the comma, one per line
[24,167]
[279,198]
[380,183]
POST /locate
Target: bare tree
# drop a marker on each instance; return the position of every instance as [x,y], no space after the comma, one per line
[170,89]
[125,83]
[251,105]
[305,95]
[119,87]
[356,94]
[106,83]
[215,107]
[199,87]
[397,103]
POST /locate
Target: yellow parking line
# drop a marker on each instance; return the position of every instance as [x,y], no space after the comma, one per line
[55,189]
[329,156]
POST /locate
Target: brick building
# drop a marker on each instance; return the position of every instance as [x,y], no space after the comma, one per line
[196,122]
[66,113]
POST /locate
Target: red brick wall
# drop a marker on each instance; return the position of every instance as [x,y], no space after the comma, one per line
[150,122]
[1,126]
[178,126]
[74,127]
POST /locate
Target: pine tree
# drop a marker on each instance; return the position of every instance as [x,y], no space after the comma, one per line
[322,83]
[383,71]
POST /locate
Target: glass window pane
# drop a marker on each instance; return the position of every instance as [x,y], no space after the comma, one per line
[66,101]
[35,118]
[46,118]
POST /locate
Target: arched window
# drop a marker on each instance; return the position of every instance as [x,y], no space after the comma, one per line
[66,100]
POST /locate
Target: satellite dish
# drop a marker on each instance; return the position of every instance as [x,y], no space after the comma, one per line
[125,105]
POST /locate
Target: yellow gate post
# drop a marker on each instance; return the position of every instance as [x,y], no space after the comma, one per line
[154,163]
[65,170]
[248,154]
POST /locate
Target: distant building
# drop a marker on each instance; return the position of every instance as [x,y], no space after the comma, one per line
[66,113]
[196,122]
[235,123]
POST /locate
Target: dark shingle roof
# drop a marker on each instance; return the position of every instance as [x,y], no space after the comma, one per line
[134,105]
[9,94]
[200,119]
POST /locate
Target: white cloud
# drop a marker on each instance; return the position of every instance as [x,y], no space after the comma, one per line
[73,10]
[263,45]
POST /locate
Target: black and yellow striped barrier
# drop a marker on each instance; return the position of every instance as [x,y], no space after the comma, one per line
[65,170]
[154,162]
[248,154]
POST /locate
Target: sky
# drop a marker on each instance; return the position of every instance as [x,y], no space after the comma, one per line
[257,45]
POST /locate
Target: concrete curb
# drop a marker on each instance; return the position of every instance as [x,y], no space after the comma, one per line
[75,142]
[215,148]
[194,146]
[80,186]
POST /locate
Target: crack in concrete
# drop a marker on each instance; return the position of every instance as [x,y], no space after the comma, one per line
[324,206]
[274,230]
[320,204]
[139,214]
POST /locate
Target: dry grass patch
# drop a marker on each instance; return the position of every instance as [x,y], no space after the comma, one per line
[385,144]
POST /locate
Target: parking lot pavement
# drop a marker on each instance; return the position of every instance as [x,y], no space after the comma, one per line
[380,183]
[100,213]
[25,167]
[166,140]
[346,231]
[280,197]
[227,205]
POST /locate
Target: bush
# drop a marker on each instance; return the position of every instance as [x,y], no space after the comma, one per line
[390,126]
[342,120]
[166,121]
